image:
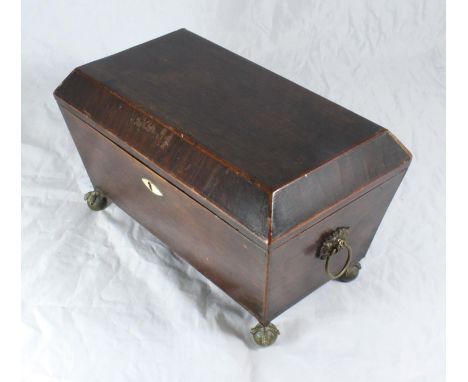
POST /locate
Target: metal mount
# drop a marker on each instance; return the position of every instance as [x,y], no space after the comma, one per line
[96,200]
[265,335]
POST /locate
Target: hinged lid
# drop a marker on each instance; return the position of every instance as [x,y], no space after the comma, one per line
[263,153]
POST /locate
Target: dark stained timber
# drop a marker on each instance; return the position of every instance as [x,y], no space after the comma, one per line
[238,170]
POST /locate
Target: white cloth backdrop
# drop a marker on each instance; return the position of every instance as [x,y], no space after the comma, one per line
[103,300]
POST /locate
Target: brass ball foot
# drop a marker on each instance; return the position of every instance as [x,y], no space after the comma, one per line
[351,273]
[265,335]
[96,200]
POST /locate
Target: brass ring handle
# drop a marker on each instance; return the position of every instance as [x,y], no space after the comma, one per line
[333,243]
[345,267]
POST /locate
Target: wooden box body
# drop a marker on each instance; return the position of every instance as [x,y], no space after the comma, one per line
[251,170]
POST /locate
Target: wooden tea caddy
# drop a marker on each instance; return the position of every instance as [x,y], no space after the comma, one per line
[266,188]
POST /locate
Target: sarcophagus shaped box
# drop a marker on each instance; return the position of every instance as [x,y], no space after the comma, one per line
[266,188]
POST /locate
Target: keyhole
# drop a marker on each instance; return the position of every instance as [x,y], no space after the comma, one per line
[155,190]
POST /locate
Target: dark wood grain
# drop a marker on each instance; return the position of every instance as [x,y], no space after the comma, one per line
[254,148]
[351,172]
[264,125]
[234,198]
[294,268]
[219,252]
[254,170]
[233,262]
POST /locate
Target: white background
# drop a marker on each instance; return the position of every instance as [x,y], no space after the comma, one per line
[104,301]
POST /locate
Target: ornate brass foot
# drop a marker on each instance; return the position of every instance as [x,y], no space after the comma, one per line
[351,273]
[96,200]
[265,335]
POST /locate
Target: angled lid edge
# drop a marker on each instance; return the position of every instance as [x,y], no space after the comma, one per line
[261,152]
[345,177]
[241,201]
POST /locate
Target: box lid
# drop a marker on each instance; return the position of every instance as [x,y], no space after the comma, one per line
[266,155]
